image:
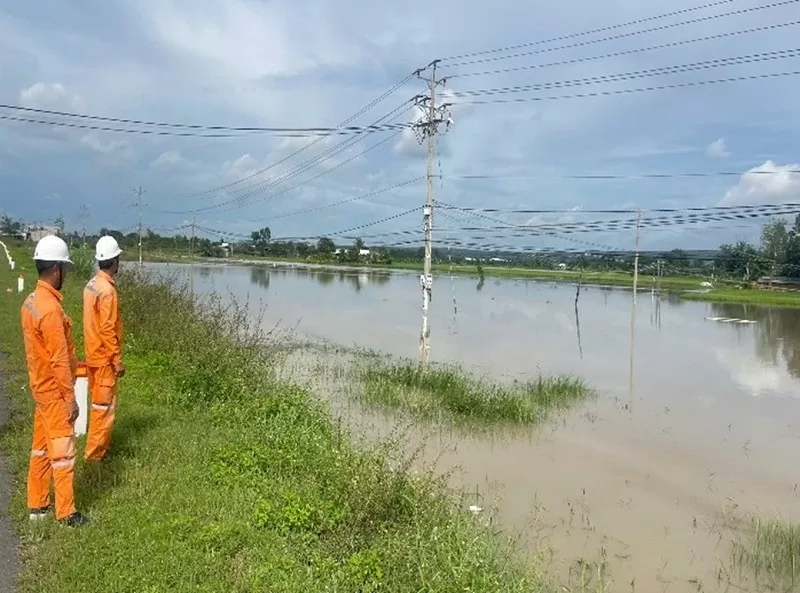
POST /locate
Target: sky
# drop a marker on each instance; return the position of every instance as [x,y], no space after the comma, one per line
[314,64]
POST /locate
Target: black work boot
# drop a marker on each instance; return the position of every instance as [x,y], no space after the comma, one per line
[76,520]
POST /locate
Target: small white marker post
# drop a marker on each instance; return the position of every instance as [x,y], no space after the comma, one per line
[20,283]
[81,398]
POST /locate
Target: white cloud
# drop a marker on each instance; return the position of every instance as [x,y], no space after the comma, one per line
[52,96]
[766,184]
[244,166]
[112,150]
[717,149]
[172,160]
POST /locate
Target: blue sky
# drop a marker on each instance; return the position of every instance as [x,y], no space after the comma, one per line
[300,63]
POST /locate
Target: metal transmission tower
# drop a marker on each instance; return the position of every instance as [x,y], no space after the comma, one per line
[427,128]
[84,220]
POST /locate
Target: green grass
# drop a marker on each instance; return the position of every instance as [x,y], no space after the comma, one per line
[223,478]
[771,554]
[754,296]
[435,391]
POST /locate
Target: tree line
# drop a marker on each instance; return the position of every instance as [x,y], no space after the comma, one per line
[776,254]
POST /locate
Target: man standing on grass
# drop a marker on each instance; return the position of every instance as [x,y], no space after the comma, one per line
[102,332]
[52,362]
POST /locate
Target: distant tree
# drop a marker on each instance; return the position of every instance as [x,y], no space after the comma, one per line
[740,260]
[9,226]
[775,238]
[303,249]
[261,240]
[355,252]
[326,246]
[59,224]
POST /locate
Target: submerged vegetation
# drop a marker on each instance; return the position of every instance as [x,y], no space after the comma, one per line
[450,391]
[771,554]
[223,478]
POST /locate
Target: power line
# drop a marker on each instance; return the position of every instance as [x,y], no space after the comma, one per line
[637,90]
[590,31]
[295,132]
[316,160]
[353,229]
[741,11]
[230,204]
[628,51]
[636,74]
[327,234]
[300,168]
[348,200]
[347,121]
[626,211]
[242,134]
[609,177]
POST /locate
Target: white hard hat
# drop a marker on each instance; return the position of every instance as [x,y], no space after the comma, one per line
[107,248]
[52,248]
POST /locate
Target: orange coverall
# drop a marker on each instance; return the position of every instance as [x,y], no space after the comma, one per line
[52,363]
[102,332]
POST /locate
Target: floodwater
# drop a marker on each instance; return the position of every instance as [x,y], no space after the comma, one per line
[697,423]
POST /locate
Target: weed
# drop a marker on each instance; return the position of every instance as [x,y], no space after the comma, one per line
[771,553]
[450,391]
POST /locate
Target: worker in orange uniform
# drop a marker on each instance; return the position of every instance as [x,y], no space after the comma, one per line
[102,332]
[52,362]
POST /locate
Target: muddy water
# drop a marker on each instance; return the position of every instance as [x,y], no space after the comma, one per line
[648,479]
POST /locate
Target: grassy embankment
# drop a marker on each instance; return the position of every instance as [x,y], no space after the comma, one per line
[746,296]
[452,393]
[224,479]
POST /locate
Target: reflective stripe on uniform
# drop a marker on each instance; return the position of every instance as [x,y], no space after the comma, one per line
[102,408]
[38,453]
[63,463]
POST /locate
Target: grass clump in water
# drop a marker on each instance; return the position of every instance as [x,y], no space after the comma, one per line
[449,390]
[771,554]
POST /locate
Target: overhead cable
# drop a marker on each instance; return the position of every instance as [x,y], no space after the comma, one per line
[628,51]
[319,139]
[280,132]
[783,54]
[694,21]
[590,31]
[636,90]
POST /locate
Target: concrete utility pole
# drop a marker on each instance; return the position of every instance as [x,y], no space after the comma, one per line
[139,191]
[636,257]
[428,128]
[191,260]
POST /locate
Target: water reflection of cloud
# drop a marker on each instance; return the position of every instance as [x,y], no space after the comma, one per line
[778,332]
[510,312]
[758,378]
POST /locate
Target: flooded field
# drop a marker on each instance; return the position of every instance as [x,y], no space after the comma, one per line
[645,488]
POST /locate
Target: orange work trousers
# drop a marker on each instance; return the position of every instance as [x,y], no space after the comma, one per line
[103,395]
[52,456]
